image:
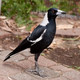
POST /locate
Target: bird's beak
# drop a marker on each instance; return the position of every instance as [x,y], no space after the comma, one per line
[60,12]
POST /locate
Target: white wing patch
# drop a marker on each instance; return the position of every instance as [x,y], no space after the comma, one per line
[45,20]
[38,39]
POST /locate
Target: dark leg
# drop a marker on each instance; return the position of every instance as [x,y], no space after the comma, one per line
[37,70]
[36,63]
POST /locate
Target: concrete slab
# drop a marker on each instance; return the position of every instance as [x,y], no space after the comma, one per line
[12,70]
[74,32]
[46,72]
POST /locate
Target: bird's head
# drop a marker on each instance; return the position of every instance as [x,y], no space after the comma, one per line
[54,12]
[51,14]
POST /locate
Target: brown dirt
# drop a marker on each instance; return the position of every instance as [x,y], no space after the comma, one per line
[69,56]
[11,41]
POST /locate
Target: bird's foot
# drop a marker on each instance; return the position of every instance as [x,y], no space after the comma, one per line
[32,70]
[38,72]
[41,73]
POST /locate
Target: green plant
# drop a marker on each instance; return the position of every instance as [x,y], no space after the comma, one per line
[20,10]
[75,67]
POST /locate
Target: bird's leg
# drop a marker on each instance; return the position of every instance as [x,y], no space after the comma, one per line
[37,69]
[36,63]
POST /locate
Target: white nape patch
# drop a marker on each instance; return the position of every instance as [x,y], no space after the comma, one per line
[38,39]
[45,20]
[59,12]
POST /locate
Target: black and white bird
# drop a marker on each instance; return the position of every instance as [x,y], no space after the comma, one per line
[41,37]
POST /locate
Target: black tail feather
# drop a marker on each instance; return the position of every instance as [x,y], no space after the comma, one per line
[23,45]
[7,57]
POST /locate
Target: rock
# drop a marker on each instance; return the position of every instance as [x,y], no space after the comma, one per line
[2,17]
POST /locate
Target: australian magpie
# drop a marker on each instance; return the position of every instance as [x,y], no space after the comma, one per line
[41,37]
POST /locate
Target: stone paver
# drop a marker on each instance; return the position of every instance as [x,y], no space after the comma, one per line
[4,78]
[60,78]
[22,76]
[47,72]
[26,53]
[17,67]
[25,64]
[3,54]
[60,68]
[6,69]
[74,32]
[72,75]
[15,57]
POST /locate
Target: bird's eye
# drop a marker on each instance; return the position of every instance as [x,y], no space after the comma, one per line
[53,11]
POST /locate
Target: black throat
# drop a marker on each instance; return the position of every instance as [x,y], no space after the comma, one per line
[52,18]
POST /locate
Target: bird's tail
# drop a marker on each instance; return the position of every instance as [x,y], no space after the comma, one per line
[23,45]
[8,56]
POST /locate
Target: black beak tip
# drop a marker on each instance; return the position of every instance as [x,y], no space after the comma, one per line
[63,12]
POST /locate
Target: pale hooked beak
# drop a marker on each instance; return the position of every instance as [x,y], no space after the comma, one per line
[60,12]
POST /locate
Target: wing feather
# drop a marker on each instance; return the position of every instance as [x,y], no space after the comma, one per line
[37,34]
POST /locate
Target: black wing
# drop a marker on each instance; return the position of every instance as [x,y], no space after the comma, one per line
[36,33]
